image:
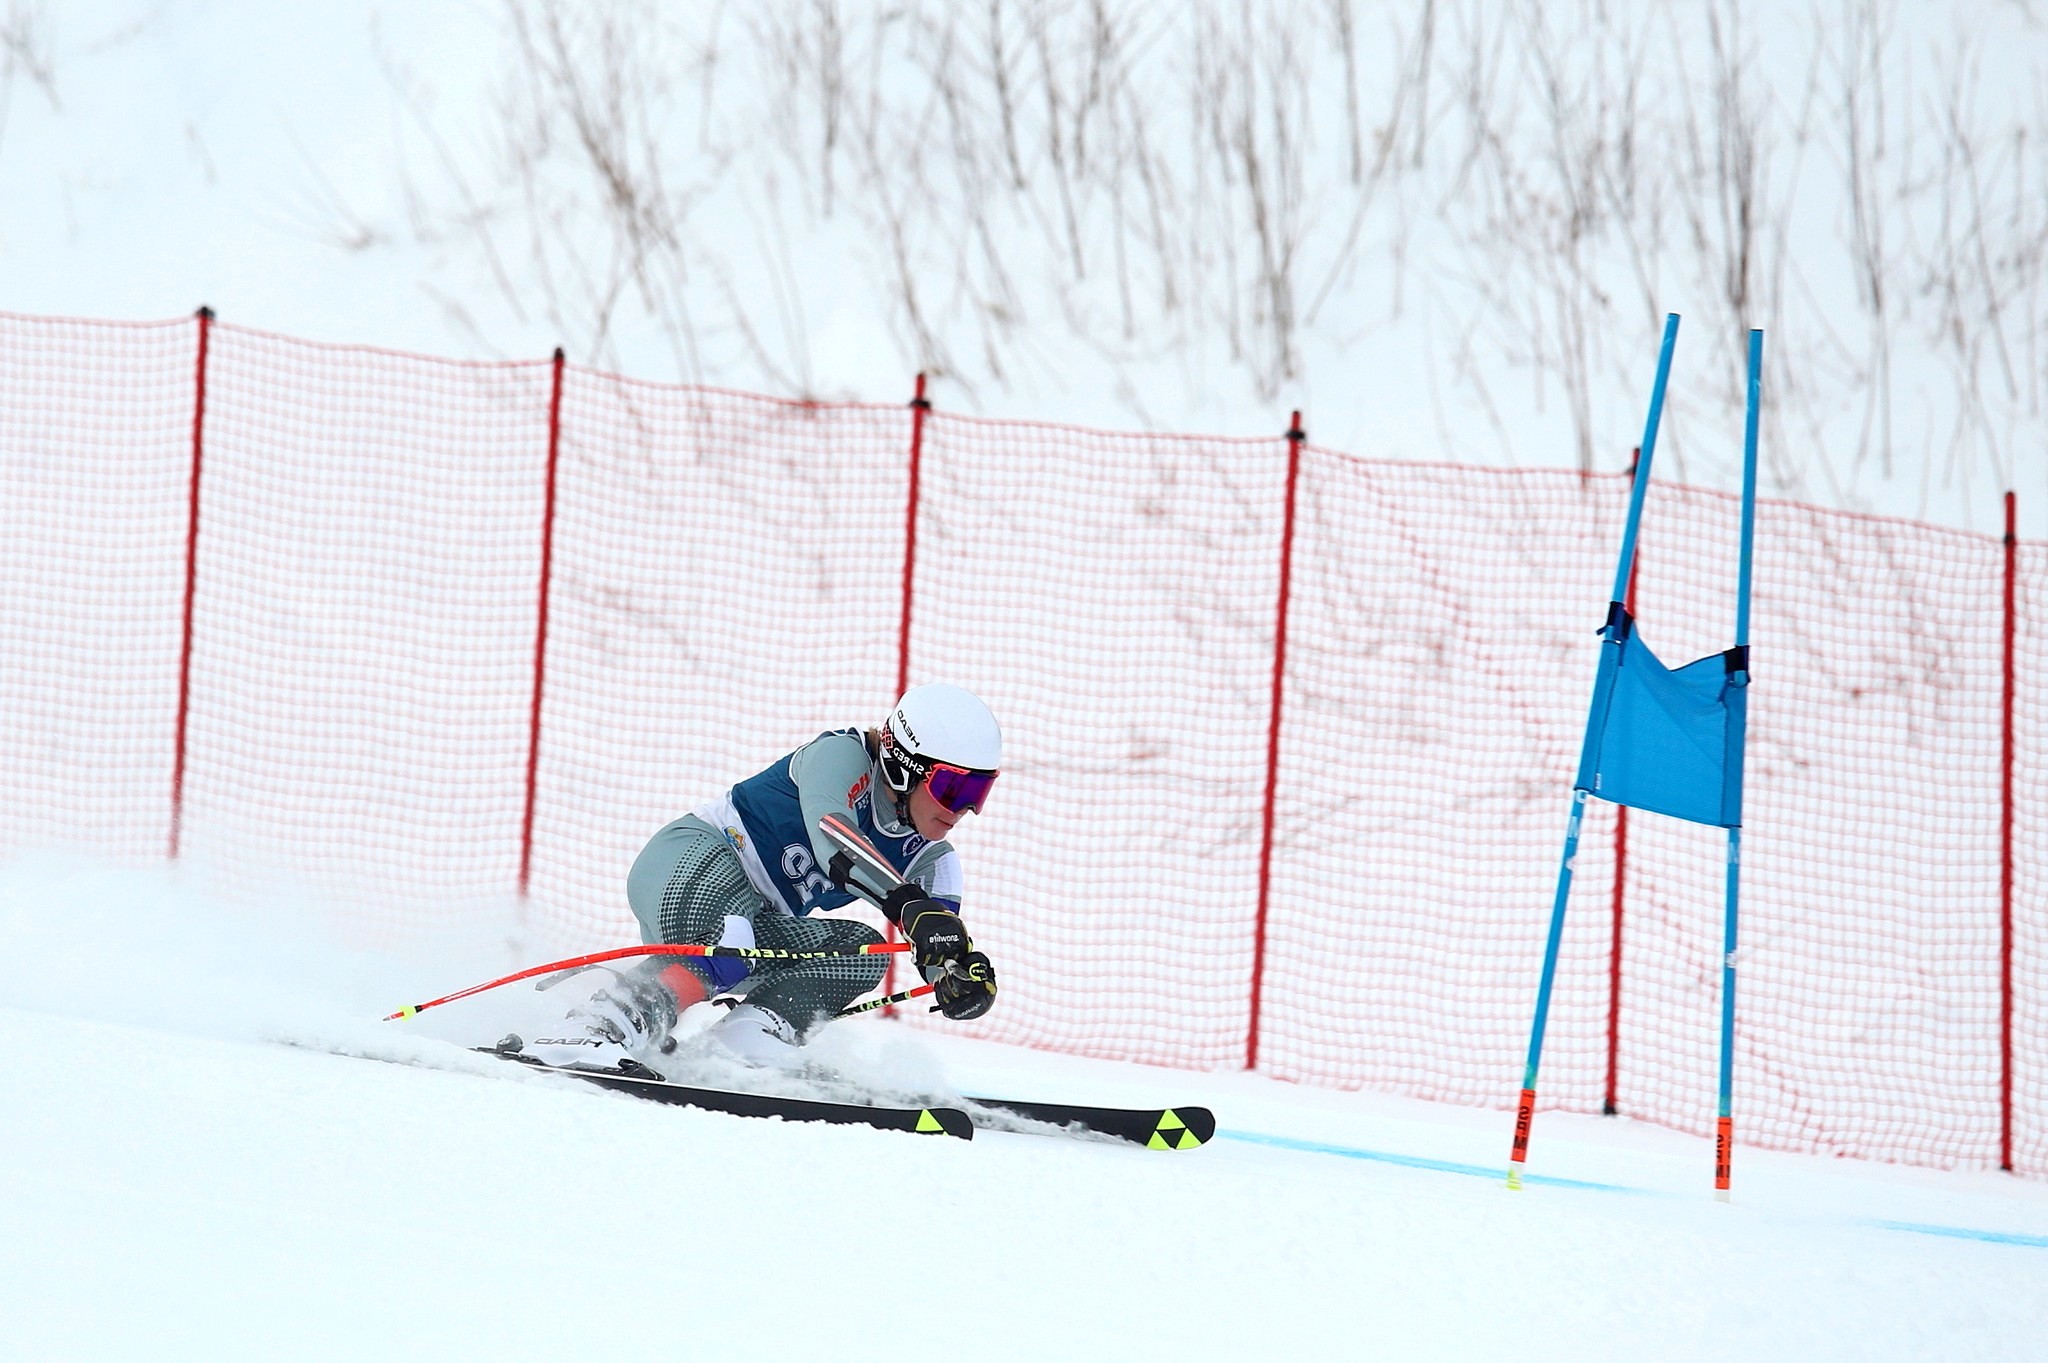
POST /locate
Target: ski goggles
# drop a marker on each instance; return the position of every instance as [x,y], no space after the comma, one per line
[959,789]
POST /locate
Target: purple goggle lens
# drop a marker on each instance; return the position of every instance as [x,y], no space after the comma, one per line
[958,789]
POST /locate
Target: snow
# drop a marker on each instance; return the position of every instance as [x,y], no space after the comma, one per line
[208,1151]
[194,1165]
[733,195]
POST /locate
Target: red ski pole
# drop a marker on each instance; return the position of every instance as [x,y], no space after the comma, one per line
[687,949]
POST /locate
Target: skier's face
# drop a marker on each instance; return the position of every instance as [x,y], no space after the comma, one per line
[931,819]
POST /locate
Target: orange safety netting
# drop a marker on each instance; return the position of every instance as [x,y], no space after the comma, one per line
[355,701]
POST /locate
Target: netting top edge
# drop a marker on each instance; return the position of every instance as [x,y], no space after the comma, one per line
[821,405]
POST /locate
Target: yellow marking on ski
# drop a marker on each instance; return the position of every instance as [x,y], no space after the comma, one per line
[1172,1134]
[927,1123]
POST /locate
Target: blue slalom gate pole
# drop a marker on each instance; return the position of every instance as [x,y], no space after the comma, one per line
[1525,1109]
[1724,1125]
[1749,430]
[1649,452]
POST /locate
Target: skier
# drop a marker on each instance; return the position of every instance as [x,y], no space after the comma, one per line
[750,867]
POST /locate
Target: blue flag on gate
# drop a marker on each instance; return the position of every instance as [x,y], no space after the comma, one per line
[1666,740]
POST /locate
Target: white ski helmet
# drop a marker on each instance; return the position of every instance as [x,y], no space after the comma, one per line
[935,724]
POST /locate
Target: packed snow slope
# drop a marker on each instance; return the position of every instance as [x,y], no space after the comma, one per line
[195,1166]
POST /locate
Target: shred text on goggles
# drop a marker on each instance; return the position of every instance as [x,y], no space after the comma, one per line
[959,789]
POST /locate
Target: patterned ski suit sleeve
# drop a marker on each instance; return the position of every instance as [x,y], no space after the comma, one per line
[834,775]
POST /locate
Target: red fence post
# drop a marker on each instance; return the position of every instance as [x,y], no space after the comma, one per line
[2005,819]
[1295,437]
[205,317]
[540,633]
[1611,1105]
[919,405]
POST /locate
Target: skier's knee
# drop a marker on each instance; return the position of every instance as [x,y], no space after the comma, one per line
[869,970]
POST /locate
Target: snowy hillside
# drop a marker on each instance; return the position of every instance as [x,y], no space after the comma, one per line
[189,1174]
[1445,229]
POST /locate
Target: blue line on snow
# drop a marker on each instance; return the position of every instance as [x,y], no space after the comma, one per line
[1483,1171]
[1995,1237]
[1413,1161]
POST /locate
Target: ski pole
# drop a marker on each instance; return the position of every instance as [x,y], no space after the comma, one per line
[686,949]
[887,999]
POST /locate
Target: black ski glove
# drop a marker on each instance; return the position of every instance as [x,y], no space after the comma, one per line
[964,981]
[967,989]
[937,936]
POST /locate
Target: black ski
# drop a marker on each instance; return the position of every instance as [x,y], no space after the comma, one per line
[1170,1128]
[932,1121]
[1173,1128]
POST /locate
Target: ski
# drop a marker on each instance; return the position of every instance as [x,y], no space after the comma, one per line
[1170,1128]
[930,1121]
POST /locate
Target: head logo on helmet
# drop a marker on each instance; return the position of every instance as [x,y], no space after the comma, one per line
[942,734]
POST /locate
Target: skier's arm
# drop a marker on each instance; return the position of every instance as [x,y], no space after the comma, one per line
[831,776]
[963,980]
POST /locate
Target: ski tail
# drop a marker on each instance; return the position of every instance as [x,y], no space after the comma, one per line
[641,1082]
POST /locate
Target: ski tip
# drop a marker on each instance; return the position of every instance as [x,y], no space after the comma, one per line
[1182,1128]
